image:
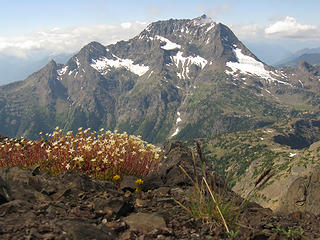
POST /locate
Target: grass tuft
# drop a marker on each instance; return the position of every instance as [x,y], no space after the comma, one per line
[214,207]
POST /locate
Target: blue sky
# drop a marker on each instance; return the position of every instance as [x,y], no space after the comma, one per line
[66,25]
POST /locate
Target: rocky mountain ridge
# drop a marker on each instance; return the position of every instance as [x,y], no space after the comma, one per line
[176,79]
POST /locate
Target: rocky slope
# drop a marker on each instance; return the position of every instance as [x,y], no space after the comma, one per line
[290,150]
[176,79]
[34,205]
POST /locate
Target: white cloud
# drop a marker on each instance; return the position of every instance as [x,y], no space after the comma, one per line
[154,11]
[251,31]
[287,28]
[214,12]
[68,40]
[290,28]
[126,25]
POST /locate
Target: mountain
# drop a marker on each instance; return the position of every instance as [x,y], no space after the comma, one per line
[177,79]
[14,68]
[312,58]
[310,55]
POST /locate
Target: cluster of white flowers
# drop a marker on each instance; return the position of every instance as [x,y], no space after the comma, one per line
[100,154]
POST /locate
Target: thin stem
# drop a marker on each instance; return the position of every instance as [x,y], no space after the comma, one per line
[223,220]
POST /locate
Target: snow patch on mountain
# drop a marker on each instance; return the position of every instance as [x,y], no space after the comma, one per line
[177,122]
[185,62]
[292,155]
[301,83]
[62,71]
[212,25]
[103,65]
[249,65]
[169,45]
[175,132]
[77,62]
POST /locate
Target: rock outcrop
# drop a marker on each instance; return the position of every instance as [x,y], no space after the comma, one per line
[34,205]
[303,194]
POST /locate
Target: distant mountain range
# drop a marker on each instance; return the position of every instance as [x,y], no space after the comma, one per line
[310,55]
[269,53]
[177,79]
[15,68]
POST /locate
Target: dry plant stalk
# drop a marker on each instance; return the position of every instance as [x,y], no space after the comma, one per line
[199,151]
[201,189]
[265,176]
[213,198]
[195,168]
[181,205]
[265,173]
[185,172]
[265,180]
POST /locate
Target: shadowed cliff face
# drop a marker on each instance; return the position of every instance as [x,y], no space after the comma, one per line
[306,132]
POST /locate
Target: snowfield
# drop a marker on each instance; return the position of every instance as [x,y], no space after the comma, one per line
[103,65]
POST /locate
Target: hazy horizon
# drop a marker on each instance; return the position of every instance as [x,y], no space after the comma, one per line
[59,27]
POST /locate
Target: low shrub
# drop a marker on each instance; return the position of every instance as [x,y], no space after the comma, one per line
[101,155]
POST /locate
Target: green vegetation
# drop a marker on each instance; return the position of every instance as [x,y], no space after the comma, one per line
[242,156]
[290,233]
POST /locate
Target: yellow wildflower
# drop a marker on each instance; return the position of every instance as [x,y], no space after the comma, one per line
[116,177]
[139,181]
